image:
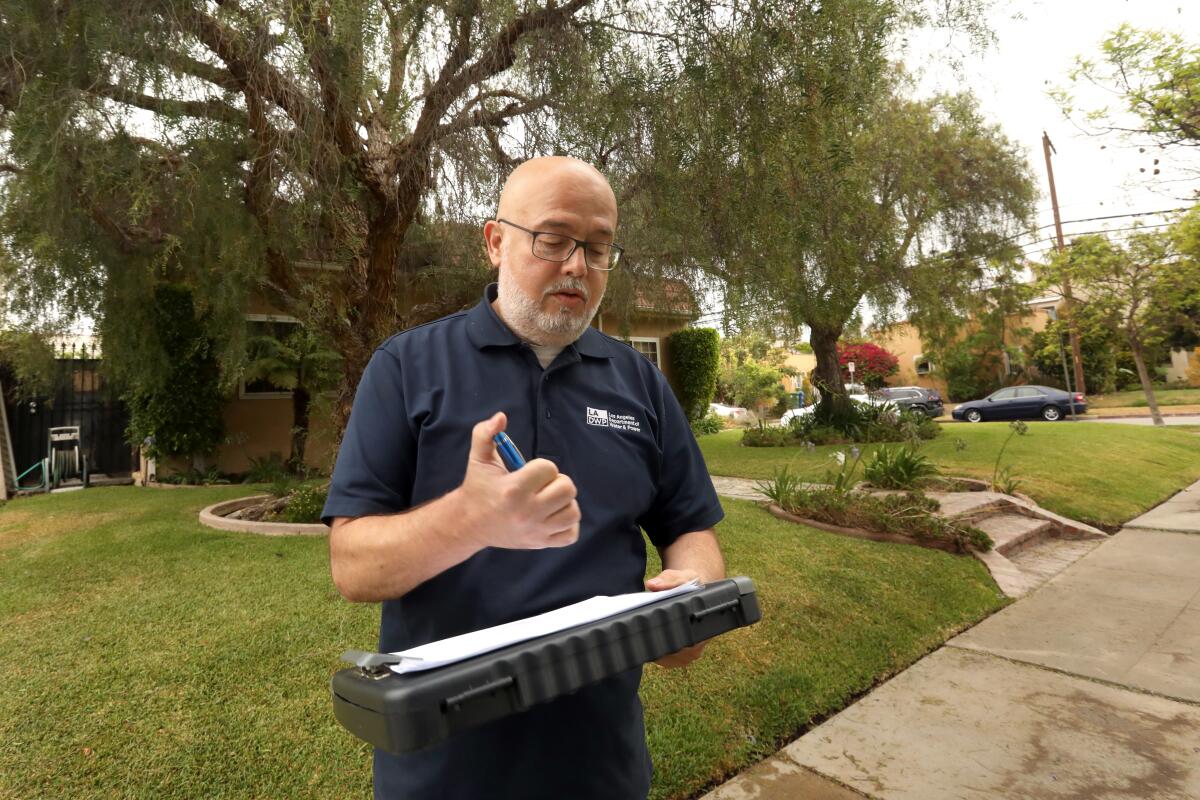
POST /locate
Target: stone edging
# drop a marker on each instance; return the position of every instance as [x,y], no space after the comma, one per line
[860,533]
[214,517]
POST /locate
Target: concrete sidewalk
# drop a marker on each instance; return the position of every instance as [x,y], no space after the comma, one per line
[1087,688]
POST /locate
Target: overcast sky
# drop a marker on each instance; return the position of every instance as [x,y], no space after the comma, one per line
[1037,44]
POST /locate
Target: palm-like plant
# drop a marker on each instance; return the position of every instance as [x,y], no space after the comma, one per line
[301,362]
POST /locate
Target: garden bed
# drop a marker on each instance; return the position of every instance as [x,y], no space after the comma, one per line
[222,516]
[862,533]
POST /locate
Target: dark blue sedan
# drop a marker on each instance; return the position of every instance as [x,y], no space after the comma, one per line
[1022,402]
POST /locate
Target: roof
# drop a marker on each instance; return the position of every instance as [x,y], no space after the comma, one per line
[675,297]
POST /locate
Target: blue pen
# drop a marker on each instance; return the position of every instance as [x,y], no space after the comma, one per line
[508,451]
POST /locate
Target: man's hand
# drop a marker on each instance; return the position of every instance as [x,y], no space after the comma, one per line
[529,509]
[669,579]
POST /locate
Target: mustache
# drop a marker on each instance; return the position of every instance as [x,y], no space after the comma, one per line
[569,282]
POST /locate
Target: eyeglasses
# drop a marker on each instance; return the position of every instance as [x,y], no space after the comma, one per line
[558,247]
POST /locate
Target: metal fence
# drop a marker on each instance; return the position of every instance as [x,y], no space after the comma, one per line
[82,398]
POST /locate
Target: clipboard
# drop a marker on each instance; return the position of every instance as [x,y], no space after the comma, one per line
[405,713]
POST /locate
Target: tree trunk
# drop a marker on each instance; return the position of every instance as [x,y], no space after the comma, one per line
[1135,345]
[371,289]
[827,377]
[300,401]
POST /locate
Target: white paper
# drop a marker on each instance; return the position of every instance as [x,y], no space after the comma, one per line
[459,648]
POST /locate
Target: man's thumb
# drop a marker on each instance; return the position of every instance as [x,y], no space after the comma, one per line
[482,446]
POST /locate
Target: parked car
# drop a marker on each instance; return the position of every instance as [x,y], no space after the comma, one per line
[1022,402]
[861,398]
[735,413]
[913,398]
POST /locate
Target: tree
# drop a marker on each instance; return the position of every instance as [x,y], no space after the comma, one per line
[1156,75]
[235,145]
[826,184]
[302,363]
[752,372]
[181,416]
[872,363]
[1133,289]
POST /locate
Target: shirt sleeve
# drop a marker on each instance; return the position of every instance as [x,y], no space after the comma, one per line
[686,500]
[375,463]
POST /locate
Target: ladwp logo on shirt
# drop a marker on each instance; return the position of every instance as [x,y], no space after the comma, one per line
[605,419]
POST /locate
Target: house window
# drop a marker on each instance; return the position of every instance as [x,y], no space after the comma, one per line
[922,365]
[646,346]
[277,327]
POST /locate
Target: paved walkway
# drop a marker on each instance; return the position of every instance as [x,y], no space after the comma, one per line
[1168,419]
[1087,688]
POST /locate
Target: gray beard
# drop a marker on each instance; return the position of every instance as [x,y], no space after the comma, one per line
[530,322]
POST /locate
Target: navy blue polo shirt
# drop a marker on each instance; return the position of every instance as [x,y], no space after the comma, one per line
[608,419]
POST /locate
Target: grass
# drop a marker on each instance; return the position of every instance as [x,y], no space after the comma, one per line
[147,656]
[1100,473]
[1137,398]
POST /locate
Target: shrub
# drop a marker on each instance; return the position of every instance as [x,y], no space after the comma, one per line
[898,468]
[861,423]
[911,514]
[695,357]
[283,485]
[782,488]
[872,363]
[305,504]
[763,436]
[178,413]
[266,469]
[708,424]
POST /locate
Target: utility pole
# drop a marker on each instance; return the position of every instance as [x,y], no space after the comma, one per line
[1076,353]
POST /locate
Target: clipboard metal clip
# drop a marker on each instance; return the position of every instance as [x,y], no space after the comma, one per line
[374,665]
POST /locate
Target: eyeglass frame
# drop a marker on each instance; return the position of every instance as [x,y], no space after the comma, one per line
[613,259]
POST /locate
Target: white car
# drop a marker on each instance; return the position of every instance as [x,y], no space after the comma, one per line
[735,413]
[863,399]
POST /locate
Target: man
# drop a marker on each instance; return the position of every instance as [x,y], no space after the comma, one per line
[426,518]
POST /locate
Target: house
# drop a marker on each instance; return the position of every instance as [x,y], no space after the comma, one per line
[917,368]
[258,419]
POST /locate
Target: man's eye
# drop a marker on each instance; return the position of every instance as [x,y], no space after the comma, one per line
[551,240]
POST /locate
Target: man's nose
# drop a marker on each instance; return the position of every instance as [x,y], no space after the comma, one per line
[577,264]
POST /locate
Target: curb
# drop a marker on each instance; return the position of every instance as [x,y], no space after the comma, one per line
[214,517]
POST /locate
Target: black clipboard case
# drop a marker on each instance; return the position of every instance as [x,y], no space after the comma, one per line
[403,713]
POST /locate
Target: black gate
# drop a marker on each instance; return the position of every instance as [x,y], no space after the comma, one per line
[82,398]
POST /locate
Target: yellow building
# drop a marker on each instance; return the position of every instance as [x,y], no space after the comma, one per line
[917,368]
[258,419]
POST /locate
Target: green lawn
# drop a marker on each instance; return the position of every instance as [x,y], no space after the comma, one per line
[1094,472]
[1137,398]
[147,656]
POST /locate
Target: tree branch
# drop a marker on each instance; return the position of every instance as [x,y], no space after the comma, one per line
[483,118]
[249,69]
[498,56]
[337,116]
[215,110]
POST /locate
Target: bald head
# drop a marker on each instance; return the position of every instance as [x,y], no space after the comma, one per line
[557,183]
[550,301]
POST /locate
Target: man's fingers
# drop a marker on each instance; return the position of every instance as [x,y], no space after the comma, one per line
[534,476]
[564,518]
[670,578]
[563,538]
[556,494]
[482,446]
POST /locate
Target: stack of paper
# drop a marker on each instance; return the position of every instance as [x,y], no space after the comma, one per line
[468,645]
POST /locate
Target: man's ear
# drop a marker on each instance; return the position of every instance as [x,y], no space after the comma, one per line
[492,238]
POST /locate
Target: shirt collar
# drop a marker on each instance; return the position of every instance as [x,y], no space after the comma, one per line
[486,329]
